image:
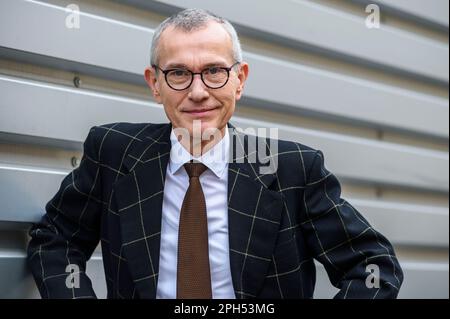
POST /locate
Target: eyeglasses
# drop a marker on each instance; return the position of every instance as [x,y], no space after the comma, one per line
[180,79]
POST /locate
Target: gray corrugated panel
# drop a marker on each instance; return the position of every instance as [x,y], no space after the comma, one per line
[40,28]
[16,281]
[360,101]
[310,89]
[422,280]
[425,280]
[96,273]
[24,193]
[371,161]
[435,11]
[427,225]
[81,108]
[311,24]
[367,160]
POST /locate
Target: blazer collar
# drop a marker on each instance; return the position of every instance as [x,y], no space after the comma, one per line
[254,211]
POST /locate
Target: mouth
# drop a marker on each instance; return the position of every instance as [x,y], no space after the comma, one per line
[201,112]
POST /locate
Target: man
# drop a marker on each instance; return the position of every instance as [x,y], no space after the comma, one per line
[183,216]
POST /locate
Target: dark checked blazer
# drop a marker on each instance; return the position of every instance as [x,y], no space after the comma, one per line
[278,223]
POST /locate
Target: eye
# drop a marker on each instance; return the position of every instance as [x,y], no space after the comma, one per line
[213,70]
[179,72]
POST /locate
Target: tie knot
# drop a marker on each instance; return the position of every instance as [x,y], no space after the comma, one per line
[194,169]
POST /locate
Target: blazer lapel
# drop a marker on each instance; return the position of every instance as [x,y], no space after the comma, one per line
[139,197]
[254,213]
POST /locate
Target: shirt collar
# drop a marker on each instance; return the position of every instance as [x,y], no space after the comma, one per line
[216,158]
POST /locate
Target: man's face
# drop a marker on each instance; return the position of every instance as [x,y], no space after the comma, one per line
[195,51]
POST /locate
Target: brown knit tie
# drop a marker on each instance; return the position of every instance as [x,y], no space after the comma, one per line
[193,274]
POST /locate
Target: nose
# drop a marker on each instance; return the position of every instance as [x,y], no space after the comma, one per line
[198,91]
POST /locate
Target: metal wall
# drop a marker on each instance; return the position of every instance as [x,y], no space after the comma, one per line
[375,100]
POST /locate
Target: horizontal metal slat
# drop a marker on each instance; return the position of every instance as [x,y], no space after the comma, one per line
[422,280]
[24,191]
[16,281]
[434,12]
[427,225]
[370,161]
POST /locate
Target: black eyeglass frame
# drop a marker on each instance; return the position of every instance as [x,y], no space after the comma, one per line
[165,72]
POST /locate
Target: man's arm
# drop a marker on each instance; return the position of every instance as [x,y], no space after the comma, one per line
[69,231]
[344,242]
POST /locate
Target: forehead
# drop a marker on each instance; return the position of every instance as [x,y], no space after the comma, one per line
[210,43]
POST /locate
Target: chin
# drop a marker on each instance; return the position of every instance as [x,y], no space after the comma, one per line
[205,124]
[211,126]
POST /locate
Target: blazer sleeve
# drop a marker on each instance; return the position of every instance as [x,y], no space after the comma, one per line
[68,233]
[359,260]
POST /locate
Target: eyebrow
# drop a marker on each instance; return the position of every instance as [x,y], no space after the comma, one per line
[184,66]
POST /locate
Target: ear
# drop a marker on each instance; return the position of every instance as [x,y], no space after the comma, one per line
[242,77]
[152,81]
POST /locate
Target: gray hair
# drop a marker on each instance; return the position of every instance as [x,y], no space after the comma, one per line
[193,19]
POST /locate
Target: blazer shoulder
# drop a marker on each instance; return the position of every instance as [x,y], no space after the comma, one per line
[294,162]
[127,128]
[291,152]
[124,129]
[110,139]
